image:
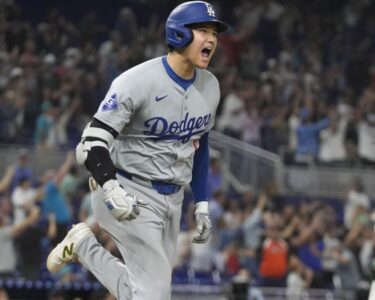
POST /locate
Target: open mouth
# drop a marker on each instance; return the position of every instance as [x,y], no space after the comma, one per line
[206,52]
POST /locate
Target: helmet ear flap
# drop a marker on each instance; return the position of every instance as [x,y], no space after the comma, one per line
[178,36]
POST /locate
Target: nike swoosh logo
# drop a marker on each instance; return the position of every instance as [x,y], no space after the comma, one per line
[157,99]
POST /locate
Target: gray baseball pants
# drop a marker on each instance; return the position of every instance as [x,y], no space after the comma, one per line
[147,245]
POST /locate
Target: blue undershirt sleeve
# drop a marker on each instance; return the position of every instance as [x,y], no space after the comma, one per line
[198,182]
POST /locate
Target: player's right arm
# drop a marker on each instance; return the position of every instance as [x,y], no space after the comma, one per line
[93,154]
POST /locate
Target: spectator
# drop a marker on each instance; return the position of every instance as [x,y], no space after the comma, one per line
[332,146]
[22,168]
[355,236]
[355,198]
[290,221]
[252,234]
[216,208]
[31,258]
[45,123]
[299,278]
[233,113]
[12,107]
[367,253]
[6,179]
[24,197]
[233,214]
[308,139]
[347,268]
[307,240]
[273,264]
[9,232]
[231,227]
[366,139]
[58,135]
[69,184]
[230,256]
[53,201]
[251,124]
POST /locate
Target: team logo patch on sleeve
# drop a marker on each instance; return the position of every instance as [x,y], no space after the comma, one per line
[111,103]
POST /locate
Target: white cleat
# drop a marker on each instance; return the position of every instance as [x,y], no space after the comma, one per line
[64,252]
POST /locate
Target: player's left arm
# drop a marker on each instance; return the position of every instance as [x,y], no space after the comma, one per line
[93,151]
[93,154]
[198,186]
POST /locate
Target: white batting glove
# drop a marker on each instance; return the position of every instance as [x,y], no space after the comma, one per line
[203,223]
[122,205]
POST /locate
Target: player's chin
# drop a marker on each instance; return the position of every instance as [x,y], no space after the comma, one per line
[203,62]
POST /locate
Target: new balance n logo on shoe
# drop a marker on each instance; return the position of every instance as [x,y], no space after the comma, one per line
[68,251]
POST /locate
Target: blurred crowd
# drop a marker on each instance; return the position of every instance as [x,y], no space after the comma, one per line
[268,240]
[303,80]
[295,243]
[296,77]
[35,214]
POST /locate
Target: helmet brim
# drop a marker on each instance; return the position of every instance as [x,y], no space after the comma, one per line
[220,26]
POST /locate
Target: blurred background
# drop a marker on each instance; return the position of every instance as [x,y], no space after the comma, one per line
[291,178]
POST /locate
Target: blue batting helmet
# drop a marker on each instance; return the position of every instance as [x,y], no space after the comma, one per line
[177,34]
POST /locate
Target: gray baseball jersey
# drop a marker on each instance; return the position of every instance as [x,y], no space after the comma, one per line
[159,122]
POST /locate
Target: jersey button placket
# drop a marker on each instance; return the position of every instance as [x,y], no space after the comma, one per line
[185,105]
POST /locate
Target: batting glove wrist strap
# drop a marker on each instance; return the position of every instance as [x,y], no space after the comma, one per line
[201,207]
[110,185]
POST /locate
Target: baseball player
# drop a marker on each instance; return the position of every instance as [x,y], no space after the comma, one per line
[149,139]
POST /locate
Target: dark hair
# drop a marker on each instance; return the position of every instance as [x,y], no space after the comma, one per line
[23,179]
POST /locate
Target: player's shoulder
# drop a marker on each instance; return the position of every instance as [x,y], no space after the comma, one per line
[207,77]
[141,71]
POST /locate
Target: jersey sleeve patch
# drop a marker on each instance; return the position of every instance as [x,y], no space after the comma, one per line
[111,103]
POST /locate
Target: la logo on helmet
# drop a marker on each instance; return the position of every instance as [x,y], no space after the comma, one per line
[210,10]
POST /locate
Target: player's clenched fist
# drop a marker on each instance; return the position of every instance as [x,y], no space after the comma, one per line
[122,205]
[203,223]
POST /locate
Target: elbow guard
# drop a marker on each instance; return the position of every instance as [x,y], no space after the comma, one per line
[92,137]
[93,151]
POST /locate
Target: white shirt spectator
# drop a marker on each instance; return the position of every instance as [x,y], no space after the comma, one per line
[332,146]
[22,198]
[232,114]
[251,127]
[295,286]
[354,200]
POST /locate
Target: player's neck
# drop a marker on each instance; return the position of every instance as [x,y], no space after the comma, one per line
[181,65]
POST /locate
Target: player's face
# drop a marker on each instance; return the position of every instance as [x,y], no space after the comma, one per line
[201,50]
